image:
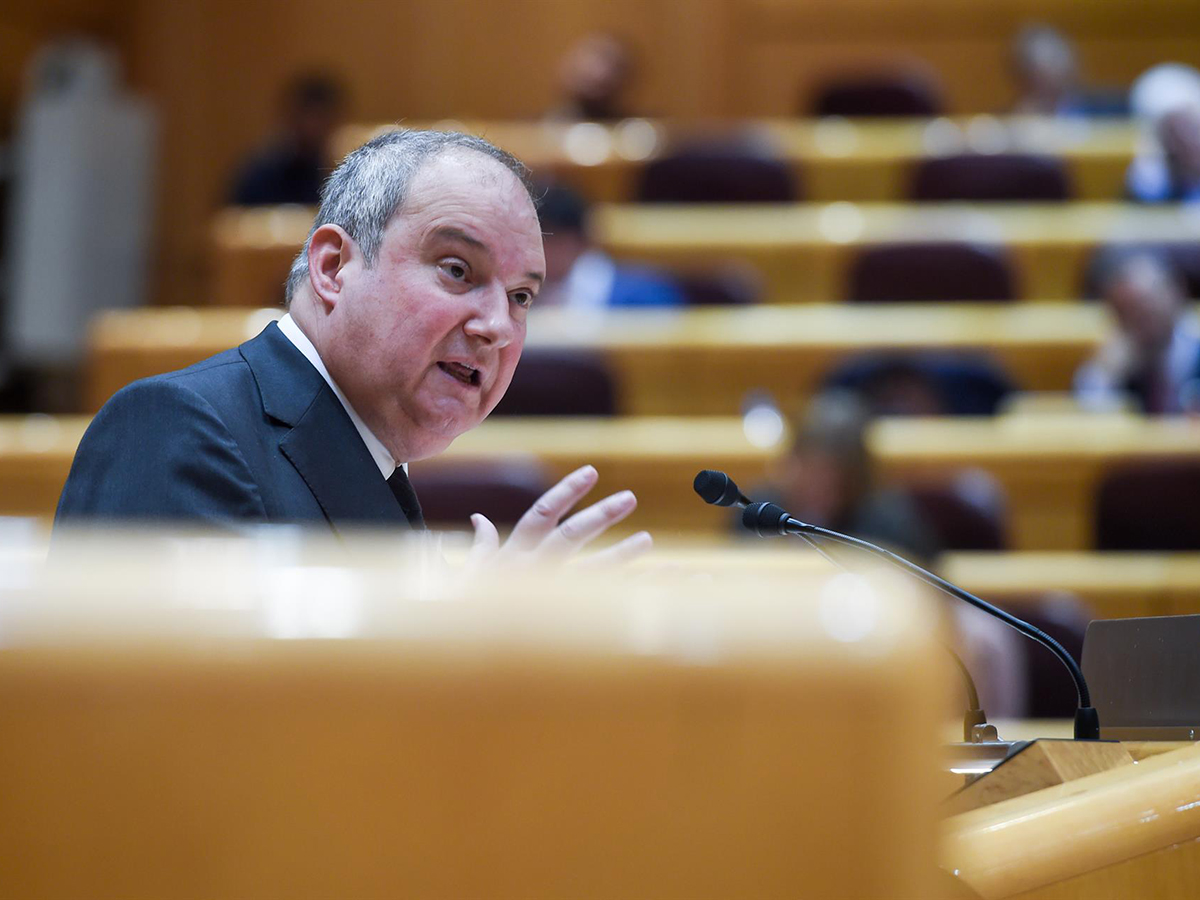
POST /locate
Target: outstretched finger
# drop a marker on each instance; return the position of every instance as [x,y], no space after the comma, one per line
[586,524]
[622,552]
[542,518]
[485,544]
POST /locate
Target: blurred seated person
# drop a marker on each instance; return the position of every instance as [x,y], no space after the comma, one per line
[580,275]
[1154,356]
[1165,100]
[1046,72]
[895,383]
[291,167]
[593,77]
[1173,174]
[827,479]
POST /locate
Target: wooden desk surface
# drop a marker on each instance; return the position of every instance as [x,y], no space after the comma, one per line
[1132,831]
[692,362]
[1050,465]
[834,159]
[803,250]
[1114,585]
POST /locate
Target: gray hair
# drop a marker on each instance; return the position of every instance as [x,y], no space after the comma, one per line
[370,185]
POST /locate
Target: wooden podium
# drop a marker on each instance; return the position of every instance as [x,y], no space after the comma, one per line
[1132,830]
[215,716]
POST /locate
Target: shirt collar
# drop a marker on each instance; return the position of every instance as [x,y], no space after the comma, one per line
[379,453]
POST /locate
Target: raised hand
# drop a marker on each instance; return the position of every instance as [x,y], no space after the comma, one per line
[538,536]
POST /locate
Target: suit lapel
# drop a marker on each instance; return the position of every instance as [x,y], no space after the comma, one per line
[330,456]
[322,443]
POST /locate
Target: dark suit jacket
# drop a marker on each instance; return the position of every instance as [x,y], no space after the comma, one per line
[253,434]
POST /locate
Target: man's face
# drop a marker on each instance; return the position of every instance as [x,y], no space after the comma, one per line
[424,342]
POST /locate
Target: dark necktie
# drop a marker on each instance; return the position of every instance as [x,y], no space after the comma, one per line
[407,498]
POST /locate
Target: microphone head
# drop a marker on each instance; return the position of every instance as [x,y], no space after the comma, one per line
[716,488]
[765,519]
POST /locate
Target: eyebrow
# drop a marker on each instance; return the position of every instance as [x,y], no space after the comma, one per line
[449,232]
[457,234]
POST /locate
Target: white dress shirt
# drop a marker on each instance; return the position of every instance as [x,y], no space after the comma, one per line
[379,453]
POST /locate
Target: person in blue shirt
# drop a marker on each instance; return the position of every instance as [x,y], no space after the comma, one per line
[579,275]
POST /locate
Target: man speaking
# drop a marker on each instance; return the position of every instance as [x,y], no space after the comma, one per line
[406,320]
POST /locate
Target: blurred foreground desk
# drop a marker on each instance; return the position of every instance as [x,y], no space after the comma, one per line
[691,362]
[1050,465]
[803,250]
[221,717]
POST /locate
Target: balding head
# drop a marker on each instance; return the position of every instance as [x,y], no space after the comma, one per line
[371,184]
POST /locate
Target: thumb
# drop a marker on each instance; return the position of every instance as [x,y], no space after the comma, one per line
[486,541]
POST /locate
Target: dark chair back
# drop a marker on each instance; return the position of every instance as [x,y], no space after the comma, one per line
[730,286]
[899,94]
[502,491]
[1150,505]
[718,172]
[909,273]
[553,382]
[967,512]
[985,177]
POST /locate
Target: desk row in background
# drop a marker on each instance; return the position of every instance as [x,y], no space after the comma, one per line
[1049,467]
[830,159]
[694,362]
[803,252]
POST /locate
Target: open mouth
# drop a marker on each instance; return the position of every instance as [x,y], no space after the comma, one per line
[463,373]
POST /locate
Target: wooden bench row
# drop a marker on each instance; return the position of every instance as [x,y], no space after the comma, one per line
[1049,465]
[832,159]
[693,362]
[803,251]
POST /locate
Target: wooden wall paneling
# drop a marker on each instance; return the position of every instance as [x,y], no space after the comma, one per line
[24,27]
[215,69]
[788,47]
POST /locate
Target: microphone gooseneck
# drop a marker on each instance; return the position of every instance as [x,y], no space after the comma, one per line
[769,519]
[974,719]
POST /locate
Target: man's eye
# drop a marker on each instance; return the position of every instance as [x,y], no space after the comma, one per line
[523,299]
[456,270]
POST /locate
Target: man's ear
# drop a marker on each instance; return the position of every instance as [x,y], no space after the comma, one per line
[329,252]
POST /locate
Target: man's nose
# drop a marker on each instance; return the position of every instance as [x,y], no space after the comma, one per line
[491,318]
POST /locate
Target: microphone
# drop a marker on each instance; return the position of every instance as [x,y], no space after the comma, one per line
[768,519]
[718,489]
